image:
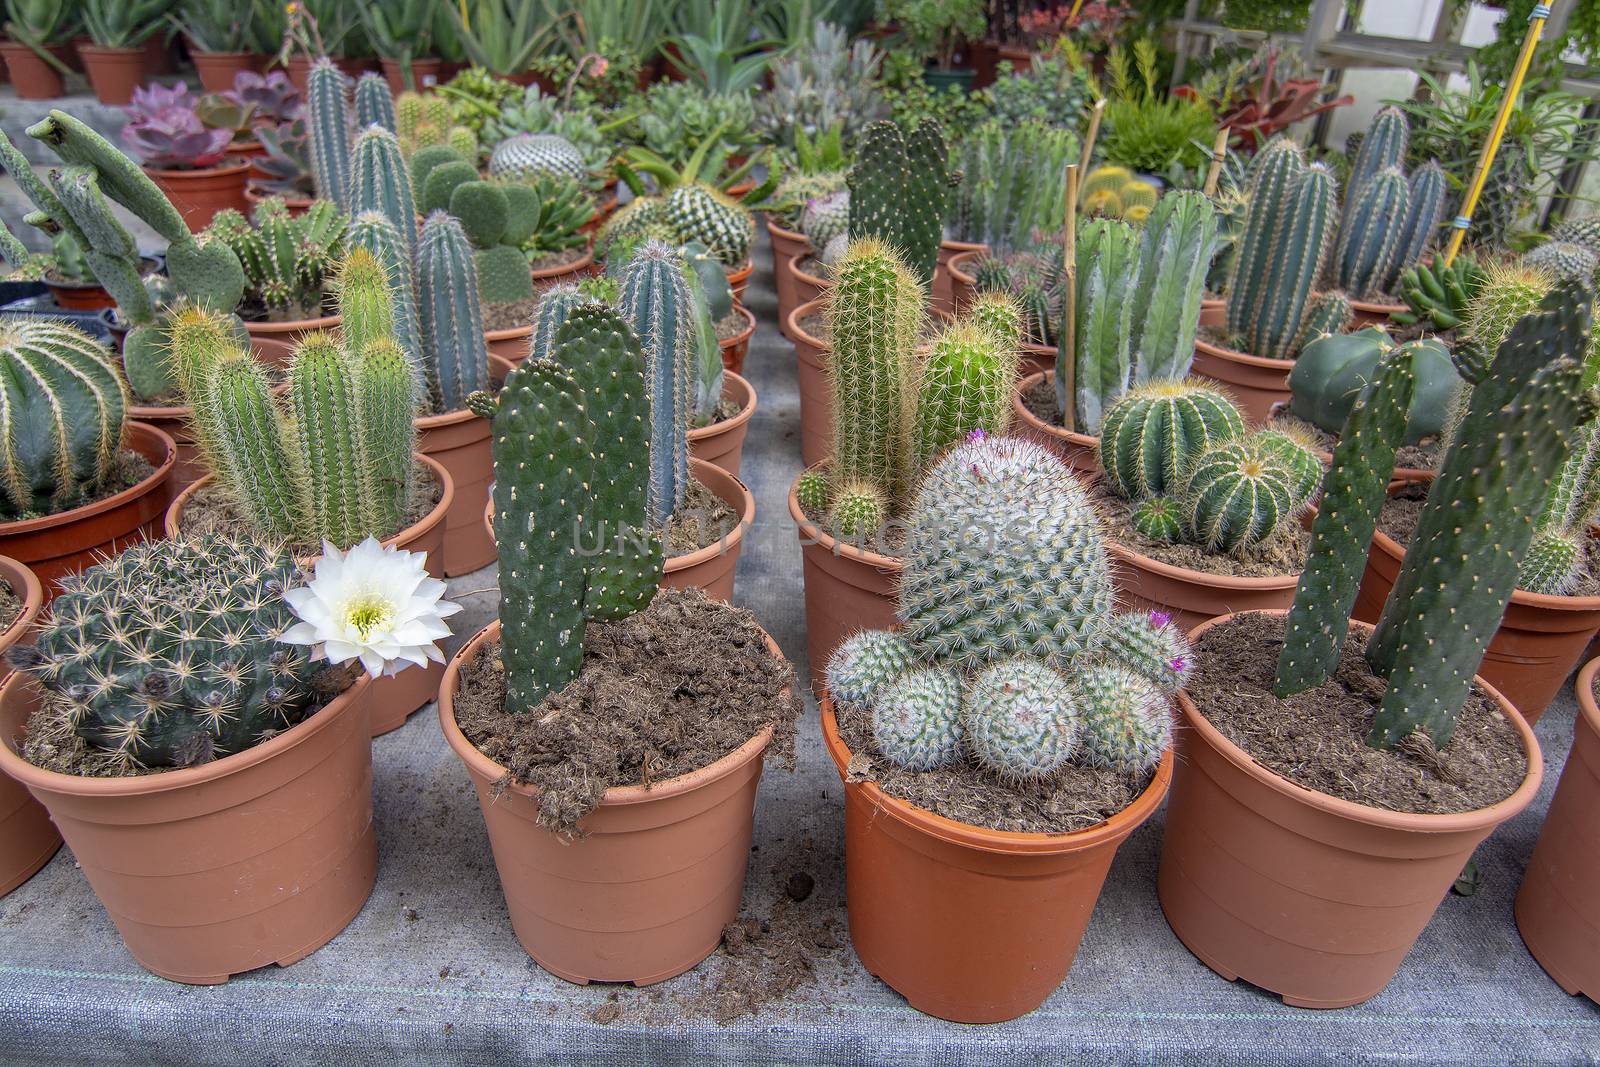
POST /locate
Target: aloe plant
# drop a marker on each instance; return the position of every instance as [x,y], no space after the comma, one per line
[502,36]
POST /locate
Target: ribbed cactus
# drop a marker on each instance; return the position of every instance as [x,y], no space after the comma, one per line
[380,182]
[374,233]
[374,103]
[1554,563]
[1297,452]
[322,405]
[1125,722]
[1022,720]
[1160,518]
[1238,494]
[385,402]
[866,664]
[328,129]
[1429,189]
[900,191]
[709,373]
[964,383]
[455,357]
[858,512]
[1003,507]
[554,307]
[875,313]
[1367,259]
[1152,437]
[720,223]
[814,493]
[1383,146]
[287,259]
[1001,315]
[657,303]
[825,217]
[1563,260]
[1095,375]
[1330,372]
[1289,228]
[1151,645]
[168,653]
[61,422]
[916,721]
[1174,252]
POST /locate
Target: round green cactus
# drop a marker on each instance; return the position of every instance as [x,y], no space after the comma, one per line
[858,512]
[814,493]
[1001,314]
[701,213]
[1563,260]
[1150,645]
[916,721]
[1295,451]
[866,664]
[1022,720]
[1239,494]
[1160,519]
[1553,564]
[1126,724]
[1153,435]
[1331,371]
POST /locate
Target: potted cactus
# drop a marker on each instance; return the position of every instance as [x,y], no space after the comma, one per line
[213,780]
[999,746]
[288,261]
[1136,314]
[1309,865]
[663,842]
[186,159]
[330,462]
[27,836]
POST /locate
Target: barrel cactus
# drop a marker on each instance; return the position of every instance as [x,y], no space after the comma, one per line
[825,217]
[1152,437]
[1239,494]
[916,721]
[1125,721]
[723,225]
[527,154]
[866,664]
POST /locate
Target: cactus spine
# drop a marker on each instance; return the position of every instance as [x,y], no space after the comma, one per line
[328,131]
[1153,436]
[379,182]
[455,355]
[373,232]
[900,190]
[657,303]
[964,384]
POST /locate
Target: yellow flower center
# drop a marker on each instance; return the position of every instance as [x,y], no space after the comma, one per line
[367,612]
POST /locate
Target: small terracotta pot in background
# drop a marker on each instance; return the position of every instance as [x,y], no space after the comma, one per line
[739,281]
[69,541]
[259,857]
[31,77]
[217,70]
[1558,907]
[807,286]
[1368,313]
[941,296]
[273,342]
[545,277]
[1080,451]
[644,894]
[736,348]
[712,568]
[298,68]
[816,402]
[424,74]
[722,443]
[1213,312]
[1254,382]
[963,280]
[27,836]
[969,924]
[200,194]
[459,442]
[1193,597]
[79,296]
[787,247]
[1311,897]
[114,73]
[510,345]
[254,194]
[174,421]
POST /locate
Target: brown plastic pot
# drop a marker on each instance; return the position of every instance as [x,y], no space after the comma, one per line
[1539,640]
[1254,382]
[27,836]
[174,422]
[65,543]
[459,442]
[1080,451]
[846,589]
[79,296]
[256,858]
[393,698]
[217,70]
[969,924]
[32,77]
[722,443]
[811,370]
[712,568]
[254,195]
[114,73]
[298,68]
[273,342]
[510,345]
[200,194]
[941,296]
[737,347]
[545,277]
[1193,597]
[807,286]
[644,894]
[1311,897]
[1558,907]
[1213,312]
[424,74]
[963,280]
[739,280]
[787,247]
[1367,313]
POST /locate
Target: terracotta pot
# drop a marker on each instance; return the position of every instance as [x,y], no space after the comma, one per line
[739,281]
[816,403]
[644,894]
[1558,907]
[545,277]
[846,589]
[1311,897]
[1540,638]
[1254,382]
[459,442]
[157,50]
[1213,312]
[200,194]
[217,70]
[603,209]
[1365,313]
[737,347]
[297,205]
[787,246]
[298,68]
[65,543]
[394,698]
[256,858]
[510,345]
[969,924]
[273,342]
[712,568]
[963,282]
[32,77]
[722,443]
[424,74]
[79,296]
[174,422]
[807,286]
[1080,451]
[1193,597]
[27,836]
[941,296]
[114,73]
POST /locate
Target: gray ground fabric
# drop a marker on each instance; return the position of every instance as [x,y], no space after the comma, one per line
[429,972]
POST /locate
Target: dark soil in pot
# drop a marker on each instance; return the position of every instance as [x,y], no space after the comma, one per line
[563,258]
[1284,553]
[1074,799]
[128,471]
[1317,738]
[704,519]
[511,316]
[10,606]
[1040,400]
[1424,455]
[664,692]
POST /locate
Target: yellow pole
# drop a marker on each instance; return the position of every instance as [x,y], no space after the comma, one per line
[1485,161]
[1075,8]
[1067,347]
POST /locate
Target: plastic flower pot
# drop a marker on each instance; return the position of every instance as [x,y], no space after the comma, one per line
[811,369]
[1080,451]
[1309,896]
[54,546]
[739,281]
[1213,311]
[200,194]
[217,70]
[1193,597]
[259,857]
[736,348]
[27,836]
[114,73]
[1371,313]
[969,924]
[393,698]
[273,342]
[1255,383]
[807,286]
[722,443]
[1558,907]
[712,568]
[459,441]
[644,894]
[510,344]
[963,280]
[424,74]
[1401,474]
[941,294]
[787,247]
[32,77]
[545,277]
[79,296]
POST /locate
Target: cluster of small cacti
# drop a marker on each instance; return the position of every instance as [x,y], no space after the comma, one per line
[1118,193]
[496,216]
[689,212]
[1437,293]
[422,120]
[332,459]
[1389,218]
[1180,451]
[1331,371]
[1012,183]
[1035,280]
[167,654]
[286,258]
[1021,676]
[901,187]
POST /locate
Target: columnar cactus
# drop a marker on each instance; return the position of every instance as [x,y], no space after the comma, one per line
[374,103]
[328,129]
[657,303]
[373,232]
[380,182]
[1100,362]
[554,307]
[455,357]
[1152,437]
[1174,252]
[168,653]
[1012,183]
[1001,315]
[963,384]
[1388,218]
[61,423]
[1022,719]
[900,190]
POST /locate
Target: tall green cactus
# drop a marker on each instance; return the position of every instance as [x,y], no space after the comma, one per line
[373,232]
[963,384]
[1013,183]
[1383,146]
[554,307]
[328,131]
[455,357]
[900,191]
[657,303]
[1101,366]
[380,182]
[374,103]
[385,399]
[1367,259]
[1174,252]
[322,402]
[254,458]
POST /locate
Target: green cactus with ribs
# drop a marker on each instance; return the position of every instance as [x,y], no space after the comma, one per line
[287,259]
[1389,218]
[901,187]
